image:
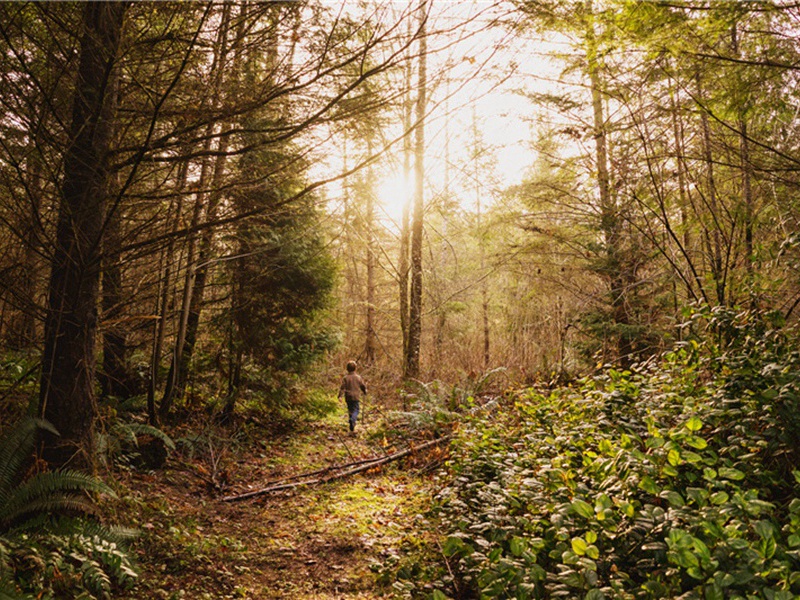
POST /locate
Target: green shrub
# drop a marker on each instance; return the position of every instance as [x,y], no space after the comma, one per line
[672,481]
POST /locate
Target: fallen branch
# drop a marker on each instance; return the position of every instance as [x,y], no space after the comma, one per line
[324,470]
[347,472]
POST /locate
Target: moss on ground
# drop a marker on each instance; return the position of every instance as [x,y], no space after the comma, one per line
[315,542]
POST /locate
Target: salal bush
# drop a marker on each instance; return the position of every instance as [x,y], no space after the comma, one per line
[677,480]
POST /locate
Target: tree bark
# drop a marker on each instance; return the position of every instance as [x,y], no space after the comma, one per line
[415,301]
[370,342]
[163,293]
[405,228]
[197,265]
[114,379]
[615,268]
[67,397]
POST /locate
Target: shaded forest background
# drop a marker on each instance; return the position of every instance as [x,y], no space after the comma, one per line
[208,208]
[168,234]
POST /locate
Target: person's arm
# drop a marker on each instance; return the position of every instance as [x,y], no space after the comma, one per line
[342,387]
[363,385]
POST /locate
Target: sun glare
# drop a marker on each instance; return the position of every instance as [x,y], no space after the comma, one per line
[394,192]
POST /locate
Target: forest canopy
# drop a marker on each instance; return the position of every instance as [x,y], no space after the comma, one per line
[208,208]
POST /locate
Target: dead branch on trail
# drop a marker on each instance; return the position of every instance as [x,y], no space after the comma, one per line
[339,472]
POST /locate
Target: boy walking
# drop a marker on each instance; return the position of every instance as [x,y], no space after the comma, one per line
[352,389]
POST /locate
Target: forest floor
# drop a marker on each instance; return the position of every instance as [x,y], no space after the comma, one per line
[317,542]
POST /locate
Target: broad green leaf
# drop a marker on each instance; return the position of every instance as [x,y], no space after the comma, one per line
[518,546]
[719,498]
[451,546]
[593,552]
[603,501]
[674,457]
[670,471]
[694,424]
[730,473]
[591,537]
[768,548]
[648,485]
[697,495]
[765,529]
[437,595]
[584,509]
[578,546]
[594,594]
[692,457]
[701,550]
[696,442]
[714,592]
[673,497]
[687,559]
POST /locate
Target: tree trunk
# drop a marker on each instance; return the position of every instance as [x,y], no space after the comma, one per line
[162,295]
[481,243]
[713,238]
[369,224]
[415,302]
[615,269]
[201,272]
[66,396]
[405,235]
[197,266]
[114,376]
[114,379]
[747,169]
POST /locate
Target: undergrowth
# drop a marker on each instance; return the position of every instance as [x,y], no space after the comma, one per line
[677,479]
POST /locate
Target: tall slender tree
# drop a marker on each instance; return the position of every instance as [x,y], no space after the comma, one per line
[412,362]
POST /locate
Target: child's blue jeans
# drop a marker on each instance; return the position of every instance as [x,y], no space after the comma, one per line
[352,410]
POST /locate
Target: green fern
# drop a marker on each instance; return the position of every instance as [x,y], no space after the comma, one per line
[120,444]
[44,531]
[16,447]
[7,592]
[137,429]
[49,492]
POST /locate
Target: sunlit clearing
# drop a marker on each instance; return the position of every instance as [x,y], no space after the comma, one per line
[394,192]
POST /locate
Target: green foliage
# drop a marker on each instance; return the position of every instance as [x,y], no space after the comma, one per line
[283,280]
[121,444]
[435,406]
[48,546]
[74,560]
[678,480]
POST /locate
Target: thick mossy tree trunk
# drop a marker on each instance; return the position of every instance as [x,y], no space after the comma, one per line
[67,397]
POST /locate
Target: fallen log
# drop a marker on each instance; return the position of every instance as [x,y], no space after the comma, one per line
[360,467]
[323,470]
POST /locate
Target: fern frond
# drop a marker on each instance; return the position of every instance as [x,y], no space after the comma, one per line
[43,485]
[68,526]
[16,517]
[8,591]
[95,578]
[16,447]
[145,429]
[484,379]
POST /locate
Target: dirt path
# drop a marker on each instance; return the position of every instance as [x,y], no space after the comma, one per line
[316,542]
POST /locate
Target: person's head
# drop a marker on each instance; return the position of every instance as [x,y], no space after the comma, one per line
[351,366]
